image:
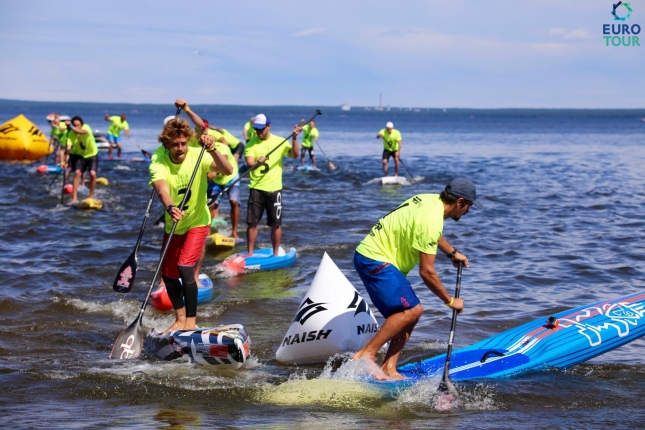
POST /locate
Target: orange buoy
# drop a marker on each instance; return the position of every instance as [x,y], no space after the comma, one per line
[42,169]
[21,139]
[67,189]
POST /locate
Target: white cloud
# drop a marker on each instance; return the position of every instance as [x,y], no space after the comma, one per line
[577,34]
[309,32]
[557,31]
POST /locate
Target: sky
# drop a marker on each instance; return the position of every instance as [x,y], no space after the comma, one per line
[437,54]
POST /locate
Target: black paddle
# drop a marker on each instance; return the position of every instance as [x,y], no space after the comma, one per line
[446,384]
[212,200]
[129,344]
[331,165]
[125,276]
[406,168]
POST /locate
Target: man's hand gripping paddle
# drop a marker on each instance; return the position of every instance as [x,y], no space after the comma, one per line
[212,200]
[129,344]
[124,280]
[448,396]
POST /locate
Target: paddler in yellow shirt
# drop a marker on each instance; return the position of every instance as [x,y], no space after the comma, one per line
[309,136]
[218,182]
[118,123]
[391,146]
[83,155]
[170,173]
[266,181]
[409,235]
[248,132]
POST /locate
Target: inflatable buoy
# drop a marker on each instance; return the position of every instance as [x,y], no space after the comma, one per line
[332,318]
[225,346]
[102,181]
[20,139]
[68,188]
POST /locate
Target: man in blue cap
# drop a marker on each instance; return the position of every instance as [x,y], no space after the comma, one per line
[266,181]
[408,235]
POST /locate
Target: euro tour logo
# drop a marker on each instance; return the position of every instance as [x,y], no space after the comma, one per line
[620,34]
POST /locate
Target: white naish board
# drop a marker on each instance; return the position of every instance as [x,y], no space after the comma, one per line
[332,318]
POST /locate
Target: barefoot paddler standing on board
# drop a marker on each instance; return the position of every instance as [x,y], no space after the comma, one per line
[170,174]
[408,235]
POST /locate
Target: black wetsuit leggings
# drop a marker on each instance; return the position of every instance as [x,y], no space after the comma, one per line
[183,294]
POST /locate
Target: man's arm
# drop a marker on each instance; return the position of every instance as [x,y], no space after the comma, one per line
[107,118]
[432,281]
[378,136]
[220,163]
[183,104]
[163,191]
[294,152]
[448,249]
[244,133]
[78,130]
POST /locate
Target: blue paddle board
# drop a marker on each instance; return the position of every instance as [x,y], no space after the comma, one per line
[308,168]
[558,341]
[262,259]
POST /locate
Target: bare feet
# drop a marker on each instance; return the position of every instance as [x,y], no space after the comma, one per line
[191,323]
[372,368]
[178,325]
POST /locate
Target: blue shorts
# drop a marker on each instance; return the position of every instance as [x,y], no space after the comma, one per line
[214,189]
[387,286]
[114,139]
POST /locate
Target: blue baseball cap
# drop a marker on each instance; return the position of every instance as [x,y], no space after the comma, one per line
[462,187]
[261,121]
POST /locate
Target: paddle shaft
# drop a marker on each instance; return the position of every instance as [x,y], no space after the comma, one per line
[256,165]
[145,220]
[331,165]
[406,168]
[446,369]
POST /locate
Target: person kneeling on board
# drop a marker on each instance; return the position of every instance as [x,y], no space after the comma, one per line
[408,235]
[170,174]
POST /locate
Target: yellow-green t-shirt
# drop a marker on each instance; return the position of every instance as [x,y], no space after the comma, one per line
[221,179]
[230,139]
[250,131]
[308,136]
[117,125]
[62,138]
[57,131]
[83,144]
[391,140]
[399,236]
[272,179]
[177,176]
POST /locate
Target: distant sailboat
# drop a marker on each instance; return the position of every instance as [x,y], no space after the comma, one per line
[380,102]
[346,107]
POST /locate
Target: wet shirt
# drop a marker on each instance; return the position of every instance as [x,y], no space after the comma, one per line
[391,140]
[220,178]
[178,176]
[83,144]
[399,236]
[117,125]
[308,136]
[272,179]
[230,139]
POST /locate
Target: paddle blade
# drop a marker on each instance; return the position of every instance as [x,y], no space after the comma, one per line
[332,166]
[129,344]
[447,397]
[125,276]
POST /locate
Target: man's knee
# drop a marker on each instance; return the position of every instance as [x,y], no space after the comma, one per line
[92,173]
[415,313]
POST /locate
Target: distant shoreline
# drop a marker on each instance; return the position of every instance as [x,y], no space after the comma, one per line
[355,110]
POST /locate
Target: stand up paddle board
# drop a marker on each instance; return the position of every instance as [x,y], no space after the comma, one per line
[262,259]
[558,341]
[160,300]
[48,168]
[225,346]
[88,204]
[221,241]
[308,168]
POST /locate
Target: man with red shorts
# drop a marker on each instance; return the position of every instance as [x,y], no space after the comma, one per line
[170,174]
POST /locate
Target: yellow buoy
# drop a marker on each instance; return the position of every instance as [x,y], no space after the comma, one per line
[102,181]
[20,139]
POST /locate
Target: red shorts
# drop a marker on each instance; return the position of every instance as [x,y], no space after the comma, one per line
[184,250]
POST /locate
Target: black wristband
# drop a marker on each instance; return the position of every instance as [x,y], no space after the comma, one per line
[169,208]
[452,254]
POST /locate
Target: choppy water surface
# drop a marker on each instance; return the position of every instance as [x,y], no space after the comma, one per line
[563,227]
